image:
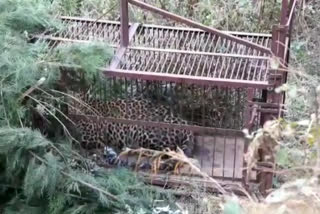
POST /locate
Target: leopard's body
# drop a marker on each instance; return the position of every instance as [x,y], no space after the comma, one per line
[119,135]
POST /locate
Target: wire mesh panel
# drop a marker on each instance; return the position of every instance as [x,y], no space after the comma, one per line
[215,115]
[176,52]
[190,39]
[205,106]
[233,67]
[79,29]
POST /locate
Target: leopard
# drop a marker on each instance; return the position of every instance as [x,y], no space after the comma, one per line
[95,133]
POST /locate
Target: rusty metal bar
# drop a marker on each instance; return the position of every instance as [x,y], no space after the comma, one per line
[197,25]
[284,12]
[248,113]
[224,156]
[121,51]
[124,19]
[184,78]
[234,158]
[193,128]
[218,71]
[292,6]
[174,77]
[74,18]
[89,29]
[198,53]
[235,33]
[214,154]
[59,39]
[279,49]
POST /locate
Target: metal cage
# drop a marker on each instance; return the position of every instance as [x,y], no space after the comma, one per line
[219,81]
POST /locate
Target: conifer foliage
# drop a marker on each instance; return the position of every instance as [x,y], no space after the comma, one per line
[36,174]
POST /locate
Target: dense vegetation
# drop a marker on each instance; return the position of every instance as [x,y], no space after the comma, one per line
[36,174]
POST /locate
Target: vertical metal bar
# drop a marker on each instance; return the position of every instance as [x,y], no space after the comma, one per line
[203,107]
[209,68]
[216,96]
[140,57]
[224,155]
[245,179]
[216,66]
[179,103]
[166,69]
[282,45]
[171,40]
[100,86]
[126,87]
[182,63]
[250,96]
[234,157]
[188,62]
[181,38]
[175,64]
[164,39]
[137,88]
[110,87]
[192,106]
[284,12]
[124,18]
[259,63]
[95,81]
[131,88]
[214,153]
[198,73]
[275,38]
[162,61]
[275,45]
[240,113]
[105,89]
[202,146]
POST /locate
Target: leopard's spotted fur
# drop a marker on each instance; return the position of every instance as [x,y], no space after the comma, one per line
[119,135]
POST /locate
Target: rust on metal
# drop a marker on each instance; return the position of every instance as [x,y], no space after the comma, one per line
[197,25]
[179,53]
[124,19]
[198,80]
[122,49]
[193,128]
[190,58]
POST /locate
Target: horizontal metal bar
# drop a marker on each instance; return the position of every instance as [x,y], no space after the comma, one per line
[102,21]
[73,18]
[197,53]
[235,33]
[193,128]
[275,105]
[265,110]
[53,38]
[198,25]
[207,81]
[185,79]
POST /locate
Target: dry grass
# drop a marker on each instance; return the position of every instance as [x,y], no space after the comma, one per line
[177,162]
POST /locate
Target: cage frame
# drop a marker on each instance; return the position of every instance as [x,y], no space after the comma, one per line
[277,49]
